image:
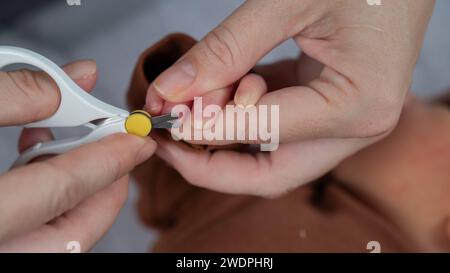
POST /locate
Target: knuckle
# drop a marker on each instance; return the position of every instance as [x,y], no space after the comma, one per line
[381,116]
[222,46]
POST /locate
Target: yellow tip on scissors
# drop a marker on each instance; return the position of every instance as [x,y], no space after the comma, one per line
[140,123]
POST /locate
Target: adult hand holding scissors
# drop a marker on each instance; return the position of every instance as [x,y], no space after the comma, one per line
[71,197]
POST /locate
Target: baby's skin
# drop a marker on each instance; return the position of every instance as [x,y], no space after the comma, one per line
[406,176]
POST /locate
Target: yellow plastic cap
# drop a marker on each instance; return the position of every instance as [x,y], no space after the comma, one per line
[139,123]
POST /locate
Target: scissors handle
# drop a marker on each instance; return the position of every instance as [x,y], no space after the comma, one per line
[55,147]
[76,107]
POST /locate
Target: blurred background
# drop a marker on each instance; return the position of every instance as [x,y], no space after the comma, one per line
[115,32]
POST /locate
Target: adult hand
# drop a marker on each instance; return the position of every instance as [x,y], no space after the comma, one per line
[261,173]
[368,53]
[71,197]
[367,56]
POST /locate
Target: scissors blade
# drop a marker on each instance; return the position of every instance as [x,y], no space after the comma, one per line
[164,121]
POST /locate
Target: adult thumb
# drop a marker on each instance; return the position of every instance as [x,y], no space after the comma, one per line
[27,96]
[228,52]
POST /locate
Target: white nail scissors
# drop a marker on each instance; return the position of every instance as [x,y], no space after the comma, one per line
[78,108]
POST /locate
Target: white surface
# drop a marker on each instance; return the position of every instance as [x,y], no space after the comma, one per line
[114,32]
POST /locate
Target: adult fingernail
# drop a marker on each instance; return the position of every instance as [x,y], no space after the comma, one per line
[153,102]
[81,69]
[146,151]
[176,79]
